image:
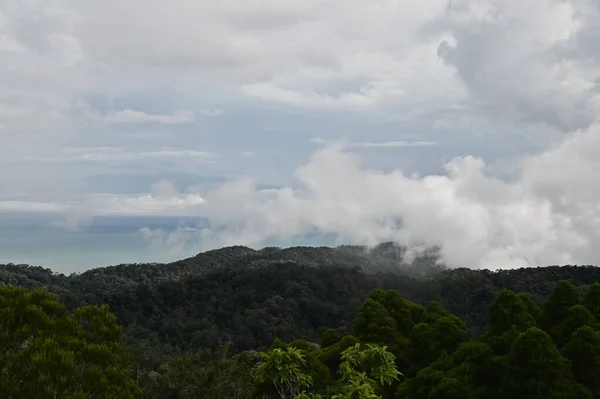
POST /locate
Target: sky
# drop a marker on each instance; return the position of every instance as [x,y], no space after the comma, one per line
[146,130]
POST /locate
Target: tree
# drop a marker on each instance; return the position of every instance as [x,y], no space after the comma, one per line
[577,317]
[232,378]
[583,350]
[364,373]
[284,370]
[535,369]
[314,366]
[591,300]
[563,297]
[476,364]
[438,331]
[468,373]
[509,309]
[405,313]
[47,352]
[330,337]
[374,324]
[185,378]
[509,314]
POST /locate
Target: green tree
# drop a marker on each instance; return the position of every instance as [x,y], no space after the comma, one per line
[185,378]
[426,379]
[469,373]
[233,378]
[314,366]
[285,371]
[330,337]
[509,315]
[591,300]
[477,366]
[535,369]
[583,350]
[556,308]
[509,309]
[45,352]
[366,372]
[405,313]
[331,356]
[374,324]
[577,317]
[438,331]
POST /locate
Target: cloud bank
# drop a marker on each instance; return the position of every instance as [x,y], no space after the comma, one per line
[549,213]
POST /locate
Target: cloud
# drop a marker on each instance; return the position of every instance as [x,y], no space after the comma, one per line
[518,66]
[318,140]
[132,116]
[398,144]
[163,189]
[175,204]
[212,112]
[494,61]
[82,210]
[16,207]
[109,154]
[548,214]
[510,69]
[368,144]
[350,101]
[76,218]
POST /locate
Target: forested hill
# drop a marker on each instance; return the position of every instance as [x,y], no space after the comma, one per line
[242,300]
[387,257]
[250,297]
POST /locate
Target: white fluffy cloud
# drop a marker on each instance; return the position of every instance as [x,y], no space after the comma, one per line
[549,213]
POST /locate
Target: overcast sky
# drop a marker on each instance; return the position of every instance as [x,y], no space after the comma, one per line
[138,130]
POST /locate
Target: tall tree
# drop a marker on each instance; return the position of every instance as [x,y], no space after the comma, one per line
[405,313]
[374,324]
[583,350]
[283,372]
[535,369]
[438,331]
[556,308]
[591,300]
[45,352]
[577,317]
[509,314]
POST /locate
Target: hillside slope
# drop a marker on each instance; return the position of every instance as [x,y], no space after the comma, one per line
[250,297]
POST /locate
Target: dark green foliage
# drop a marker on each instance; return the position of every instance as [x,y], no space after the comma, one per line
[331,355]
[437,332]
[591,300]
[535,369]
[374,324]
[250,297]
[557,306]
[577,316]
[583,350]
[509,315]
[509,309]
[315,368]
[193,326]
[405,313]
[46,352]
[330,337]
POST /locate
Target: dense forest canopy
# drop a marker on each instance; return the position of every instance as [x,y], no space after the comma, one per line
[205,326]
